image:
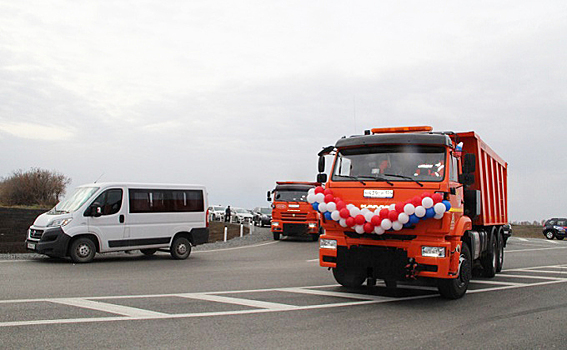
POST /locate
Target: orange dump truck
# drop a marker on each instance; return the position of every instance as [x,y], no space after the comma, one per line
[291,214]
[407,203]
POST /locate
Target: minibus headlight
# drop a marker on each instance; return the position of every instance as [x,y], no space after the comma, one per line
[327,244]
[60,222]
[433,252]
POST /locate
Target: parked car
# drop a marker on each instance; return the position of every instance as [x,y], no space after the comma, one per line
[216,213]
[241,216]
[555,228]
[262,216]
[506,232]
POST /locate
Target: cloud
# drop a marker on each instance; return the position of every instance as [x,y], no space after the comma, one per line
[37,132]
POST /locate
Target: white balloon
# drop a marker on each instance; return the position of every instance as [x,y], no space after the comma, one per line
[311,191]
[335,215]
[409,209]
[331,206]
[379,230]
[396,225]
[386,224]
[320,198]
[359,229]
[427,202]
[439,216]
[392,207]
[342,222]
[403,218]
[439,208]
[420,211]
[311,198]
[354,211]
[368,216]
[350,206]
[322,207]
[364,211]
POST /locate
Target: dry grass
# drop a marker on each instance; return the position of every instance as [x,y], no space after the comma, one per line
[527,231]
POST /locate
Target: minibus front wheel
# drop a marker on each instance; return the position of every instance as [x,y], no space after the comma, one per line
[82,250]
[180,248]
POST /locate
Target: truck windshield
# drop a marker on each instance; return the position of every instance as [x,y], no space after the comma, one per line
[390,163]
[291,196]
[75,201]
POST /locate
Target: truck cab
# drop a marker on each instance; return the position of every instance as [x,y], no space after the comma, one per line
[402,204]
[292,215]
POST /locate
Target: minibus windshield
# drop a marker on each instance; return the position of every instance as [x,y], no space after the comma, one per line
[75,201]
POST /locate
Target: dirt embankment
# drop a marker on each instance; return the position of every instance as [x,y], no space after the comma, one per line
[14,224]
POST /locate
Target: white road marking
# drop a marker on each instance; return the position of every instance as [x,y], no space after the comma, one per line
[106,307]
[335,294]
[239,301]
[522,239]
[313,260]
[225,249]
[531,249]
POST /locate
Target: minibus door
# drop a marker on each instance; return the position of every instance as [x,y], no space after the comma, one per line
[107,218]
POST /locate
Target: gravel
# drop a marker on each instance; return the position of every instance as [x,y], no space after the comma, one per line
[259,235]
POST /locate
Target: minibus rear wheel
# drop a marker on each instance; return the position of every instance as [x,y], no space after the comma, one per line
[180,248]
[82,250]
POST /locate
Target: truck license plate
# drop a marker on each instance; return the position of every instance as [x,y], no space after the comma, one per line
[31,245]
[378,193]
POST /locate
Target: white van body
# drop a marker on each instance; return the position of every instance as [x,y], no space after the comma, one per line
[120,217]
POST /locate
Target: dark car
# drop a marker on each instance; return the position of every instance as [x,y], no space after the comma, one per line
[262,216]
[555,228]
[506,232]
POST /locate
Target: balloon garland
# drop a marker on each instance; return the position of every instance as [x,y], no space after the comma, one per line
[395,217]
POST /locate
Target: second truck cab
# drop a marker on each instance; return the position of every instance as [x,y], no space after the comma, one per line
[291,214]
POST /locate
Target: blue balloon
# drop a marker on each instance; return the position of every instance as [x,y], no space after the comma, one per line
[447,204]
[315,206]
[328,215]
[429,213]
[413,219]
[407,225]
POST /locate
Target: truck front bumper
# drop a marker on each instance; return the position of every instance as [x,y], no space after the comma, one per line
[393,259]
[294,228]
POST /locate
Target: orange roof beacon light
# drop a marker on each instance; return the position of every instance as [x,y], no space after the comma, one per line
[402,129]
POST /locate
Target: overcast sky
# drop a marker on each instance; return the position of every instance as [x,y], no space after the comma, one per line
[238,94]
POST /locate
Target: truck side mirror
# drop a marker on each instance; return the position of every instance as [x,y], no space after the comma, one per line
[321,164]
[269,198]
[322,178]
[469,163]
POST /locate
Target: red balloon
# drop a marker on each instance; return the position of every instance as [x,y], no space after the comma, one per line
[328,191]
[340,204]
[437,198]
[400,207]
[425,194]
[416,201]
[368,227]
[384,213]
[319,189]
[337,200]
[359,219]
[329,198]
[376,220]
[350,221]
[393,215]
[344,213]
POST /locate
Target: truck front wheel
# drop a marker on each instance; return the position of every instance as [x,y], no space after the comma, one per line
[457,287]
[349,278]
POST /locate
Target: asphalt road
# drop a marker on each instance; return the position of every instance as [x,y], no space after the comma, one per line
[274,295]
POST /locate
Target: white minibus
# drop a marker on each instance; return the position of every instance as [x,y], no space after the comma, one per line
[109,217]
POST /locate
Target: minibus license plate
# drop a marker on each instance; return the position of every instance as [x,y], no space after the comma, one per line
[31,245]
[378,194]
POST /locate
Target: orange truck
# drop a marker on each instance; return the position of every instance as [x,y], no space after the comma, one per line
[291,214]
[407,203]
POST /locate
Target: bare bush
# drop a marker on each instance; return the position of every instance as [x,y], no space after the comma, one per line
[33,187]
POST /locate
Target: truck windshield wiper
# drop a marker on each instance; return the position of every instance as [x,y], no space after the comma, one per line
[353,178]
[379,178]
[405,177]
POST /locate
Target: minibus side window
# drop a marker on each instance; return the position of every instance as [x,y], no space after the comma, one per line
[166,201]
[110,201]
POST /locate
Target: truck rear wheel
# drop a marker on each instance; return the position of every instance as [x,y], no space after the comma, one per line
[500,259]
[457,287]
[349,278]
[490,260]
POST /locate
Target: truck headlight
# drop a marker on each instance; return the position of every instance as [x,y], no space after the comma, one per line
[59,222]
[433,252]
[275,223]
[312,225]
[327,243]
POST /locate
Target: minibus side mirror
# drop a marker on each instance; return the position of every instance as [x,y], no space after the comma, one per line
[95,210]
